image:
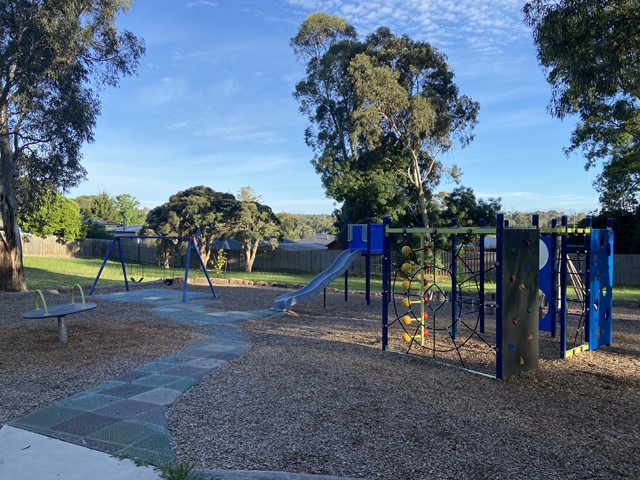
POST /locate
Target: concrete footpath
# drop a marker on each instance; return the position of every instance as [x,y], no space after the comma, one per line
[94,433]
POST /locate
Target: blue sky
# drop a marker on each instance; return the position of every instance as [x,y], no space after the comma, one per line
[212,105]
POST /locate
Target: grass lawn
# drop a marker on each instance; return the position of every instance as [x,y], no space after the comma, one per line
[52,273]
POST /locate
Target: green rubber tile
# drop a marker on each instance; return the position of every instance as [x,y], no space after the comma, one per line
[90,402]
[126,432]
[182,385]
[107,447]
[157,380]
[159,442]
[148,456]
[48,417]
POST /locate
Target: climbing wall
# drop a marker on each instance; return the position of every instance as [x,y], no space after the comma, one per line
[600,326]
[518,329]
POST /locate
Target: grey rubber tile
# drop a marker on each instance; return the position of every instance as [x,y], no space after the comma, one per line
[48,417]
[157,380]
[84,425]
[89,402]
[125,409]
[126,390]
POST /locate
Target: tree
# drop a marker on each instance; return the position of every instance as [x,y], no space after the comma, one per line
[590,50]
[252,224]
[55,215]
[127,206]
[383,111]
[55,55]
[462,204]
[199,211]
[293,227]
[104,207]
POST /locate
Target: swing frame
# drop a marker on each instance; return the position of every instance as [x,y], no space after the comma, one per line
[191,246]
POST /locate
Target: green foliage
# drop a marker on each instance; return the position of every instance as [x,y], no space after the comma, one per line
[462,204]
[219,262]
[55,55]
[104,207]
[179,471]
[53,215]
[382,112]
[199,211]
[127,206]
[590,50]
[294,226]
[95,230]
[251,224]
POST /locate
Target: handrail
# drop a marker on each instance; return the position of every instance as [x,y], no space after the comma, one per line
[44,303]
[73,292]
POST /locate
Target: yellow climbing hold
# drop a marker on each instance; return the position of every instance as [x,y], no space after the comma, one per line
[406,337]
[406,250]
[406,319]
[406,267]
[521,360]
[406,284]
[406,302]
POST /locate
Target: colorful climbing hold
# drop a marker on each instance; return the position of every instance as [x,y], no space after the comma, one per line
[406,250]
[406,267]
[406,337]
[521,360]
[406,284]
[515,321]
[406,319]
[406,302]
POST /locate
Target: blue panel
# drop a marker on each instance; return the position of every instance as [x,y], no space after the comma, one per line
[357,237]
[377,232]
[546,284]
[600,326]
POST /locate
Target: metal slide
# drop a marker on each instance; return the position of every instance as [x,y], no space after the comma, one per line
[318,283]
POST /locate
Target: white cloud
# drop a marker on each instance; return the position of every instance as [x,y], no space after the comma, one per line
[202,3]
[490,26]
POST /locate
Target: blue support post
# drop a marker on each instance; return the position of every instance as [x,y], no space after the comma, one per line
[104,262]
[555,265]
[563,288]
[206,274]
[587,286]
[482,268]
[124,269]
[500,226]
[186,271]
[386,281]
[454,281]
[368,264]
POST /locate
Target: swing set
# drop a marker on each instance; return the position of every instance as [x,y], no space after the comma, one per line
[191,247]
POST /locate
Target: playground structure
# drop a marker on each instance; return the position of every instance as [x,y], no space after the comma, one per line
[191,247]
[59,311]
[362,239]
[439,306]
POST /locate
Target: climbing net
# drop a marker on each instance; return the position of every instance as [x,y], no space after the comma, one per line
[439,303]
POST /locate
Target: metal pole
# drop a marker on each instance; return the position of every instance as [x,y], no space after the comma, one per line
[386,281]
[454,281]
[500,222]
[104,262]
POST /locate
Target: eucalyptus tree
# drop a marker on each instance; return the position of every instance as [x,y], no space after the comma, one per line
[590,50]
[253,223]
[55,56]
[383,111]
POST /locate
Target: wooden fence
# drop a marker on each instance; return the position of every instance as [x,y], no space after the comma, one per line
[626,268]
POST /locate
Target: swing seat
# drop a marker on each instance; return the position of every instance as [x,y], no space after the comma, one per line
[136,281]
[168,281]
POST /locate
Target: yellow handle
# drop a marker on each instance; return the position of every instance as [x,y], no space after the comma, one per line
[44,304]
[73,293]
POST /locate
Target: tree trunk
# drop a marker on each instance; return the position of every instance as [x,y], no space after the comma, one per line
[250,248]
[11,267]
